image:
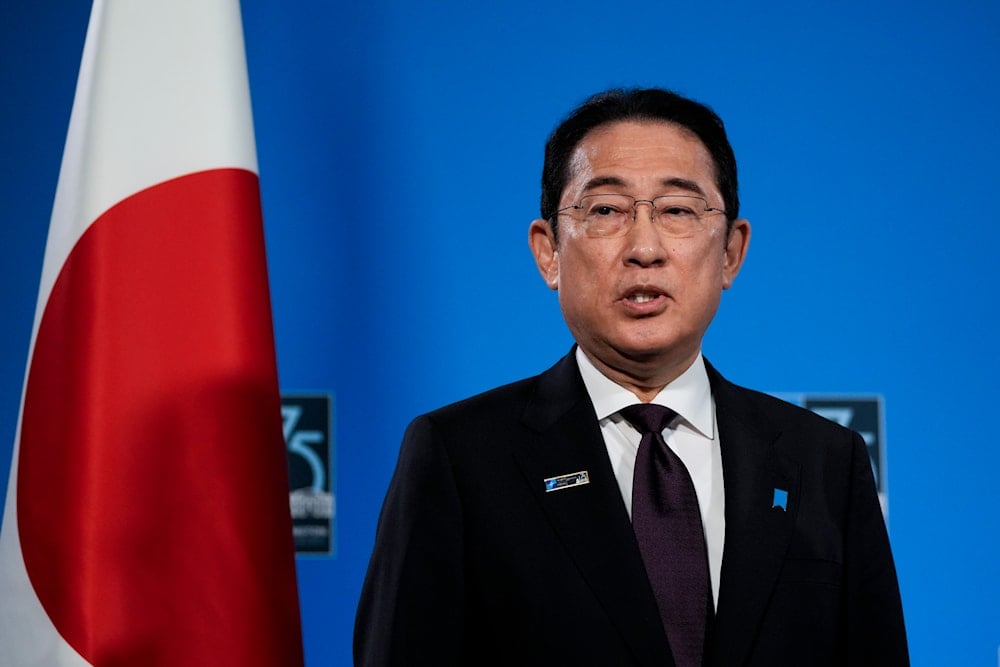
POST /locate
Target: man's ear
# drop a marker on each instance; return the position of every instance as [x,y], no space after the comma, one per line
[542,241]
[737,243]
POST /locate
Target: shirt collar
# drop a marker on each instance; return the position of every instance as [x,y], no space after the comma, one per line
[689,395]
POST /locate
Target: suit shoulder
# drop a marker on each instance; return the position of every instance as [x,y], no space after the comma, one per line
[505,401]
[788,416]
[533,402]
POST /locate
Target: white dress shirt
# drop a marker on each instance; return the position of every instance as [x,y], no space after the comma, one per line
[694,438]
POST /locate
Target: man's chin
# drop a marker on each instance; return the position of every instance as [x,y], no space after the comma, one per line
[653,350]
[643,360]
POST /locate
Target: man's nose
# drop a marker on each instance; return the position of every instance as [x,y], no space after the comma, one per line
[644,241]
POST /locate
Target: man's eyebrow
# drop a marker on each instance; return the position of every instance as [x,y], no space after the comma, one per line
[683,184]
[603,180]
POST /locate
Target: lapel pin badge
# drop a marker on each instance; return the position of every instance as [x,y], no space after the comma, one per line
[780,499]
[561,482]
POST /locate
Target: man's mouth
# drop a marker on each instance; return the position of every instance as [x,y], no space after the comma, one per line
[643,294]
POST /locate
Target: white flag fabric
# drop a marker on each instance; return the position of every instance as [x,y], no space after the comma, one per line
[146,519]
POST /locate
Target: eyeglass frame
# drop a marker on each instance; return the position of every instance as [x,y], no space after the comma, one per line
[654,212]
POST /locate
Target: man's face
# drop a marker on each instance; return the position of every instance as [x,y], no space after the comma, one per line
[639,304]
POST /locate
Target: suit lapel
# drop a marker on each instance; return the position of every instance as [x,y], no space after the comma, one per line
[757,532]
[590,519]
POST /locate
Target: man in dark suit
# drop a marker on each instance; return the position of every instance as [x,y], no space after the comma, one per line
[511,535]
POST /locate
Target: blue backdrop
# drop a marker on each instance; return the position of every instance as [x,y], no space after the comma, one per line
[400,148]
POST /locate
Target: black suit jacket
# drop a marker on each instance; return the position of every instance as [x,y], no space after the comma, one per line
[476,564]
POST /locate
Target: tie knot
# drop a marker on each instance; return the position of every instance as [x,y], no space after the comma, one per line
[648,417]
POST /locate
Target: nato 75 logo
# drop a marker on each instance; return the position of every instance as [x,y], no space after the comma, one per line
[312,497]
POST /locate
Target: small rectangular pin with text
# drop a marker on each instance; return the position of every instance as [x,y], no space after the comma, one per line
[561,482]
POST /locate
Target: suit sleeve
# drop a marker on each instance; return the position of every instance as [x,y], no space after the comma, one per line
[411,606]
[875,630]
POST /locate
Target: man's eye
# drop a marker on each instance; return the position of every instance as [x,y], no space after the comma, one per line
[604,210]
[678,212]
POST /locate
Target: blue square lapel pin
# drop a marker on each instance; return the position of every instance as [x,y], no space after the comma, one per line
[780,499]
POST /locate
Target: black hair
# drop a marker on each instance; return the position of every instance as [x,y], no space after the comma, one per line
[637,104]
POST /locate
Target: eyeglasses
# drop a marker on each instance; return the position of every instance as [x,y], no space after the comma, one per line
[611,215]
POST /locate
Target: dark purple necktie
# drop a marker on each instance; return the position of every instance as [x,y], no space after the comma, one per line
[667,525]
